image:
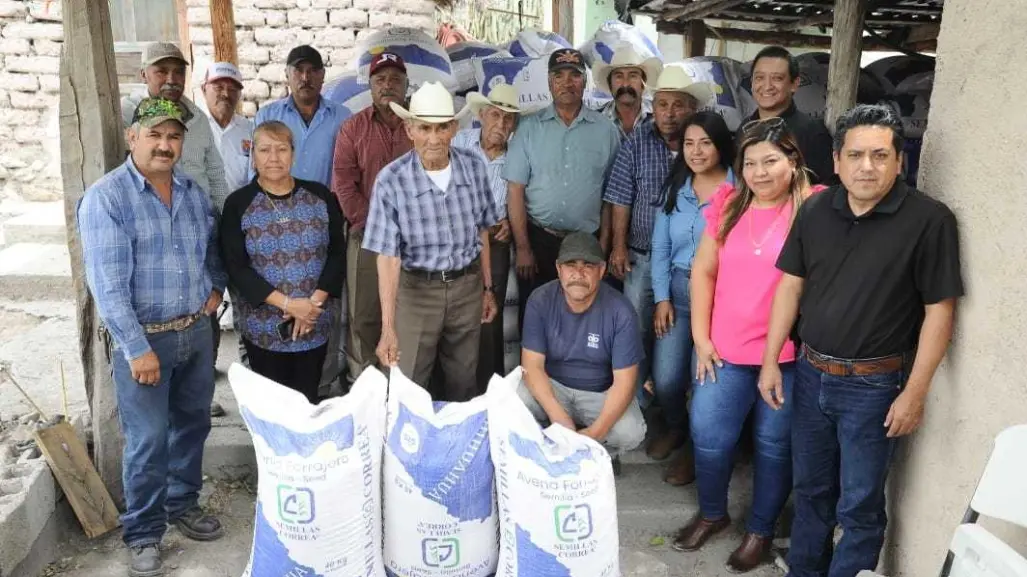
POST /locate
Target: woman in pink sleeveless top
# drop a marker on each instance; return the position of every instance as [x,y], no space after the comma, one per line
[733,281]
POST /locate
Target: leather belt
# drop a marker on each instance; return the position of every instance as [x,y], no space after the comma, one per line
[446,276]
[177,324]
[550,231]
[854,367]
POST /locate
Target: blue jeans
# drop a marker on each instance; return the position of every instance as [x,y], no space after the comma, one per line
[165,427]
[638,287]
[840,455]
[717,414]
[672,356]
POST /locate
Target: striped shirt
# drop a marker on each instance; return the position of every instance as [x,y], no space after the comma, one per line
[470,139]
[430,229]
[314,143]
[146,263]
[636,181]
[200,159]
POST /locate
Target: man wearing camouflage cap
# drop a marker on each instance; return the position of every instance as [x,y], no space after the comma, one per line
[150,251]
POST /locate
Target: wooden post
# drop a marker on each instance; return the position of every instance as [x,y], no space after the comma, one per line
[92,143]
[563,19]
[222,22]
[695,39]
[846,50]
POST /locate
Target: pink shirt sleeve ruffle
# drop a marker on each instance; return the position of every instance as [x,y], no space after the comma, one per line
[715,209]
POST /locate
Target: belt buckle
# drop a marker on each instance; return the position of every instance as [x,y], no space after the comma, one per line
[445,276]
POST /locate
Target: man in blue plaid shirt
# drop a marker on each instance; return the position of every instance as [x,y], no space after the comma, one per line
[152,264]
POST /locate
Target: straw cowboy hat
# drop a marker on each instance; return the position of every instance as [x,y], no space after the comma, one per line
[431,103]
[676,79]
[626,57]
[502,96]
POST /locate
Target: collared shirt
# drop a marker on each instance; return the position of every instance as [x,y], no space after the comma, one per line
[428,228]
[676,237]
[813,139]
[563,167]
[609,110]
[234,143]
[363,147]
[313,144]
[636,181]
[868,278]
[470,139]
[200,159]
[146,263]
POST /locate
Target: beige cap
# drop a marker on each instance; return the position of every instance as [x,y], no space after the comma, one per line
[157,51]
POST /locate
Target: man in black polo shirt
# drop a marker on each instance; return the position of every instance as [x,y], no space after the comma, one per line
[873,266]
[775,79]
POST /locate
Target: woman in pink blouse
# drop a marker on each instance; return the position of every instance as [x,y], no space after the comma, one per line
[733,283]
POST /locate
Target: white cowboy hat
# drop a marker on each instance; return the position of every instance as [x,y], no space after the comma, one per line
[430,103]
[502,96]
[625,57]
[675,79]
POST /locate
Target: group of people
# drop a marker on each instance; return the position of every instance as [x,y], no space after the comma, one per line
[661,261]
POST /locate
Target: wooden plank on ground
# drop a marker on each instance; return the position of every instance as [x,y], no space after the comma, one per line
[72,468]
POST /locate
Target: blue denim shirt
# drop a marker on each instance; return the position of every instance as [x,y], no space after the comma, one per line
[676,237]
[314,144]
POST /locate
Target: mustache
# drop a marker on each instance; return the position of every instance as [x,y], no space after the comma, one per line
[306,86]
[172,86]
[577,283]
[163,154]
[626,90]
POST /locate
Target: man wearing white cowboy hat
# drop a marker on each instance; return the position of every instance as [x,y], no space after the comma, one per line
[498,113]
[626,78]
[636,185]
[429,222]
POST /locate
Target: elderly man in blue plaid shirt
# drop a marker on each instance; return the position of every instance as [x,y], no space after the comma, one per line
[431,211]
[152,264]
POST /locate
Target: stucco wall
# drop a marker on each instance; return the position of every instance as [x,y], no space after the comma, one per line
[974,159]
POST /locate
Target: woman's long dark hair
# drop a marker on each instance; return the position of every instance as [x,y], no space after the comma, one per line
[723,140]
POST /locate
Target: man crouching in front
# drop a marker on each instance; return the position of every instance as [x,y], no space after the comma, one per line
[580,350]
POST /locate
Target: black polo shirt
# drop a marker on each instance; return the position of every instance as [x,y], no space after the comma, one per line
[814,140]
[868,278]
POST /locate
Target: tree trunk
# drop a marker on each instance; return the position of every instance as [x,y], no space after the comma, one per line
[92,143]
[846,50]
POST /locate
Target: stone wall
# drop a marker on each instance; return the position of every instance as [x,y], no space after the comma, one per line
[267,29]
[30,45]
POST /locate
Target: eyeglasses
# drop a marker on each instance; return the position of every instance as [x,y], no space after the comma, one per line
[775,122]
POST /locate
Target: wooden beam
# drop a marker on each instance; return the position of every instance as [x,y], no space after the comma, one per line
[563,19]
[184,41]
[846,50]
[922,33]
[92,143]
[700,9]
[825,17]
[695,39]
[222,22]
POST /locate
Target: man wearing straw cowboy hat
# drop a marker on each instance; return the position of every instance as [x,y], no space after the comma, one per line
[633,192]
[625,78]
[498,114]
[431,211]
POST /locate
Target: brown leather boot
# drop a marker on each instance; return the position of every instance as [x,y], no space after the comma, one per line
[662,446]
[694,535]
[753,552]
[682,469]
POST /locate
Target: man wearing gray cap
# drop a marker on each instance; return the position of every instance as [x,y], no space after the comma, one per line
[580,350]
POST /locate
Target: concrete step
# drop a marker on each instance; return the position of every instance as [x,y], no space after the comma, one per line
[36,271]
[41,223]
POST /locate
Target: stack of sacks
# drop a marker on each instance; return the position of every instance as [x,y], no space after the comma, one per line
[724,74]
[891,71]
[534,43]
[425,59]
[462,55]
[912,100]
[611,36]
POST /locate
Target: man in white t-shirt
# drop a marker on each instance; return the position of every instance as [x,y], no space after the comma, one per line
[222,89]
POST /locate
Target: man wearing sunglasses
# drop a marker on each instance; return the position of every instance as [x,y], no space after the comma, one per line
[775,80]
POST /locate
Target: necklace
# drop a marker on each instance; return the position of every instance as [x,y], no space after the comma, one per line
[758,246]
[282,218]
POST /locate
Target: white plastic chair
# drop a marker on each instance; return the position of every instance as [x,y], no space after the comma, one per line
[1000,494]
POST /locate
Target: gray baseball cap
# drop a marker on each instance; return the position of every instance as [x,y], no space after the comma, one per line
[580,246]
[154,52]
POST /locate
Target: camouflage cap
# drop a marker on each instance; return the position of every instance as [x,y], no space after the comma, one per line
[154,111]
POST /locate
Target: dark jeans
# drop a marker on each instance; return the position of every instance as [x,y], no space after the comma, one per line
[672,357]
[165,427]
[717,416]
[840,456]
[300,371]
[545,247]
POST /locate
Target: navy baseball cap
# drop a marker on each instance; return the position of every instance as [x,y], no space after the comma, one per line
[566,58]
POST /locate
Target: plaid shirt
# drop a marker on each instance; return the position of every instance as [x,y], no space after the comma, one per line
[609,110]
[145,263]
[470,139]
[636,181]
[430,229]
